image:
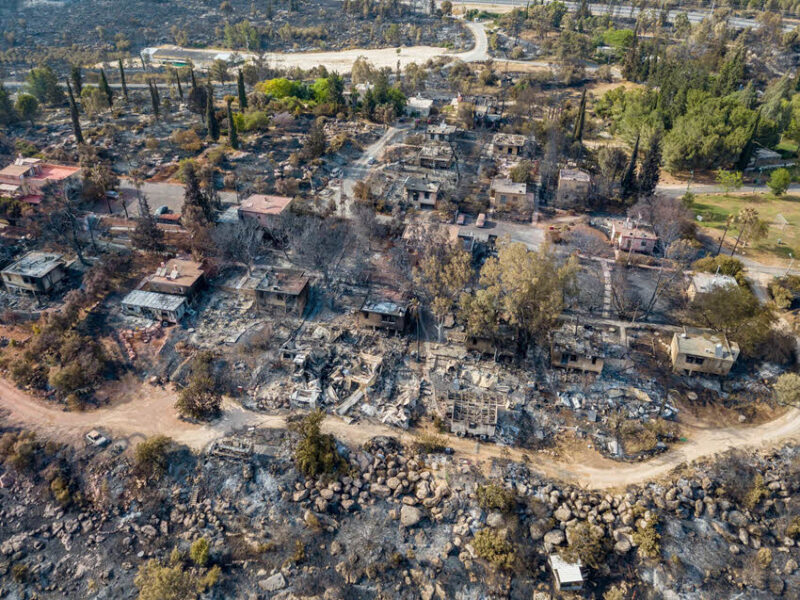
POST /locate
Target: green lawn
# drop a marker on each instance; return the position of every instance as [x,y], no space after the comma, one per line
[714,209]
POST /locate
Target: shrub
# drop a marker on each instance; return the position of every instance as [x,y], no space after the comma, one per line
[158,582]
[200,398]
[727,265]
[757,492]
[764,557]
[793,529]
[787,389]
[150,456]
[199,552]
[587,544]
[493,547]
[648,539]
[495,497]
[316,453]
[429,443]
[187,140]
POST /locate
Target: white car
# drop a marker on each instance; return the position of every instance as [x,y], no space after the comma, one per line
[97,439]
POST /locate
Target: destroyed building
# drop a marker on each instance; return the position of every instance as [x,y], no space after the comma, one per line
[468,412]
[153,305]
[702,351]
[441,132]
[508,144]
[629,237]
[574,187]
[577,347]
[383,313]
[505,194]
[435,156]
[35,273]
[421,192]
[176,276]
[284,289]
[704,283]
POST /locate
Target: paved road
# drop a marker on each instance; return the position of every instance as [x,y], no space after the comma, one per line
[158,195]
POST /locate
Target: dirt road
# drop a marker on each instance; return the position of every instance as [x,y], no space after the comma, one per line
[143,410]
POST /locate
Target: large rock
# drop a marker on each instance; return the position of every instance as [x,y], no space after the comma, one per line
[495,519]
[563,513]
[410,515]
[554,538]
[273,583]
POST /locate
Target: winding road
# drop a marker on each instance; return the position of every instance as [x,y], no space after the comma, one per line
[141,410]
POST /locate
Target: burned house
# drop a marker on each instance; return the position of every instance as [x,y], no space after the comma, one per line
[153,305]
[421,192]
[417,106]
[35,273]
[505,194]
[508,144]
[178,277]
[704,283]
[629,237]
[284,289]
[702,351]
[577,347]
[435,156]
[469,412]
[383,313]
[441,132]
[574,187]
[263,209]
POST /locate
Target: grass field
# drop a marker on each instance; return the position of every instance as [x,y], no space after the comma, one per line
[780,241]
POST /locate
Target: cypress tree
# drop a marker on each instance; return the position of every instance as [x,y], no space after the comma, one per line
[105,88]
[211,118]
[178,81]
[233,136]
[73,114]
[155,99]
[577,132]
[628,182]
[747,150]
[649,173]
[241,90]
[77,79]
[122,79]
[194,81]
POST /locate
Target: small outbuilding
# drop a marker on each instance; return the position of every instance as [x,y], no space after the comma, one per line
[566,575]
[703,283]
[152,305]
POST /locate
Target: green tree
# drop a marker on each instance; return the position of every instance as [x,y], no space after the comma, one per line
[211,116]
[628,182]
[586,543]
[42,83]
[233,136]
[7,113]
[200,552]
[728,180]
[316,453]
[219,71]
[200,399]
[74,117]
[158,582]
[736,312]
[77,78]
[122,80]
[150,457]
[315,143]
[27,107]
[441,277]
[530,287]
[577,130]
[650,171]
[779,181]
[522,172]
[105,88]
[241,91]
[146,235]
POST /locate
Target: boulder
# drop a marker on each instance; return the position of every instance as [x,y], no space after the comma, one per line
[410,515]
[273,583]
